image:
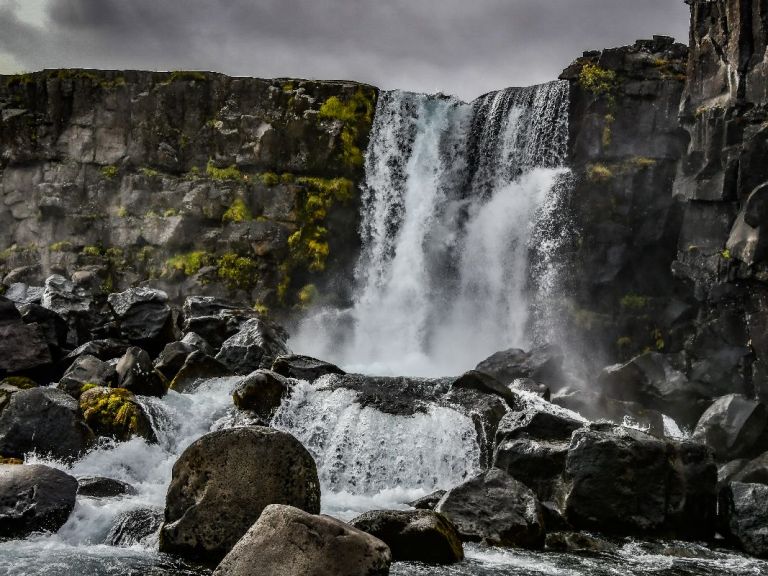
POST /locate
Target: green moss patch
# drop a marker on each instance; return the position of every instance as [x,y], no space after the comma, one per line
[190,263]
[237,212]
[237,272]
[113,412]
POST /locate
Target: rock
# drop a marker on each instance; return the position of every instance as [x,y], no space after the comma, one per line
[213,319]
[622,481]
[64,297]
[753,471]
[542,364]
[744,511]
[53,326]
[223,482]
[100,487]
[34,498]
[577,542]
[121,303]
[287,541]
[475,380]
[495,508]
[261,392]
[114,413]
[198,366]
[21,293]
[199,343]
[139,526]
[256,345]
[756,206]
[9,314]
[746,243]
[734,427]
[44,420]
[172,358]
[136,373]
[303,367]
[144,317]
[427,502]
[726,473]
[87,369]
[106,349]
[413,535]
[530,385]
[23,347]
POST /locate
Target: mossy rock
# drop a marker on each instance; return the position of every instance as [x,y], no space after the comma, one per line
[20,382]
[16,461]
[114,413]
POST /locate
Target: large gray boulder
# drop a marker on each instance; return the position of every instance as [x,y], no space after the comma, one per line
[256,345]
[87,369]
[23,347]
[45,420]
[144,317]
[495,508]
[287,541]
[138,526]
[415,535]
[34,498]
[261,392]
[744,516]
[136,373]
[223,482]
[542,364]
[197,367]
[734,427]
[304,367]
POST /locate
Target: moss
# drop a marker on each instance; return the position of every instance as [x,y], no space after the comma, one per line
[91,251]
[269,179]
[151,214]
[640,162]
[726,254]
[122,212]
[237,212]
[658,339]
[599,173]
[21,382]
[187,76]
[599,81]
[287,178]
[352,113]
[114,412]
[87,386]
[191,263]
[307,295]
[237,272]
[634,302]
[149,172]
[11,460]
[170,212]
[624,342]
[220,174]
[109,172]
[351,153]
[261,309]
[63,246]
[288,87]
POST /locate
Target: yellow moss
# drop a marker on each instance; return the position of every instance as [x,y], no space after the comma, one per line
[238,212]
[63,246]
[726,254]
[87,386]
[351,113]
[641,162]
[149,172]
[237,272]
[109,172]
[229,173]
[270,179]
[288,87]
[599,173]
[21,382]
[307,295]
[624,342]
[634,301]
[112,412]
[169,212]
[187,76]
[91,251]
[287,178]
[599,81]
[190,263]
[351,153]
[261,309]
[122,212]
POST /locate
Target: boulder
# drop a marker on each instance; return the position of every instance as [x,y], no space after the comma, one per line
[427,502]
[101,487]
[413,535]
[105,349]
[578,542]
[726,473]
[734,427]
[34,498]
[622,481]
[213,319]
[23,347]
[254,346]
[144,317]
[199,343]
[115,413]
[87,369]
[261,392]
[136,373]
[303,367]
[287,541]
[44,420]
[53,326]
[542,364]
[122,302]
[198,366]
[223,482]
[137,526]
[753,471]
[22,293]
[744,516]
[9,314]
[495,508]
[65,297]
[172,358]
[530,385]
[481,382]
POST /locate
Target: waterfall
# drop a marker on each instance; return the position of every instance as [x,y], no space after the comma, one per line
[457,197]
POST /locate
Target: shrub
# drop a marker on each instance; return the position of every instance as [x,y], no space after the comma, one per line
[599,81]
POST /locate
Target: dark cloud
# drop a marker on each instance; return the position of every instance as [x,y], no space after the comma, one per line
[465,47]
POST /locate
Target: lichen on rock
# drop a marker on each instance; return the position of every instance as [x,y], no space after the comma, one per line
[115,413]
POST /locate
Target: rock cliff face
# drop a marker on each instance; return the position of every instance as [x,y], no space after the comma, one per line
[200,182]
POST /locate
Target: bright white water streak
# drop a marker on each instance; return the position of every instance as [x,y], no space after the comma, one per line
[457,233]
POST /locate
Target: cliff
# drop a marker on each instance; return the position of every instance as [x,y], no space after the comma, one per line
[199,182]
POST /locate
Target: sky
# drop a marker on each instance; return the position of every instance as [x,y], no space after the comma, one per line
[461,47]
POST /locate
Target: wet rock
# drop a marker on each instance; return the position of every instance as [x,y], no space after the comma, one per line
[413,535]
[213,319]
[9,314]
[21,293]
[172,358]
[261,392]
[495,508]
[65,298]
[45,420]
[287,541]
[726,473]
[136,373]
[304,367]
[254,346]
[475,380]
[744,511]
[427,502]
[486,411]
[753,471]
[138,526]
[144,317]
[115,413]
[577,542]
[34,498]
[53,326]
[223,482]
[542,364]
[87,369]
[101,487]
[530,385]
[104,349]
[734,427]
[198,366]
[622,481]
[23,347]
[199,343]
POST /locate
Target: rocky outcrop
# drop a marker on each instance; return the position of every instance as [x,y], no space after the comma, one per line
[201,182]
[744,511]
[287,541]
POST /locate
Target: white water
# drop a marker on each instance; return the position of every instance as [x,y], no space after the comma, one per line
[456,228]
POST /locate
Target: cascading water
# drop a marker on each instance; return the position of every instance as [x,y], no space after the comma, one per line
[454,195]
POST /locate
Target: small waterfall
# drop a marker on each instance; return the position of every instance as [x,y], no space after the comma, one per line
[457,235]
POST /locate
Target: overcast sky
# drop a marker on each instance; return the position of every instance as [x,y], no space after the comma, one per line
[464,47]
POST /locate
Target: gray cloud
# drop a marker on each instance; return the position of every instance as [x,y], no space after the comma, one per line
[465,47]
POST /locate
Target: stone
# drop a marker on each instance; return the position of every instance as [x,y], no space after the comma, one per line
[9,314]
[44,420]
[199,343]
[756,206]
[495,508]
[303,367]
[261,392]
[482,382]
[101,487]
[136,373]
[223,482]
[115,413]
[744,511]
[734,427]
[254,346]
[198,366]
[34,498]
[138,526]
[121,303]
[746,243]
[104,349]
[23,347]
[577,542]
[413,535]
[427,502]
[751,472]
[287,541]
[172,358]
[87,369]
[53,326]
[144,317]
[542,364]
[21,293]
[530,385]
[64,297]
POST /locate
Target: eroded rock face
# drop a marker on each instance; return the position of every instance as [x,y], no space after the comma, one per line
[287,541]
[223,482]
[744,511]
[734,427]
[34,498]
